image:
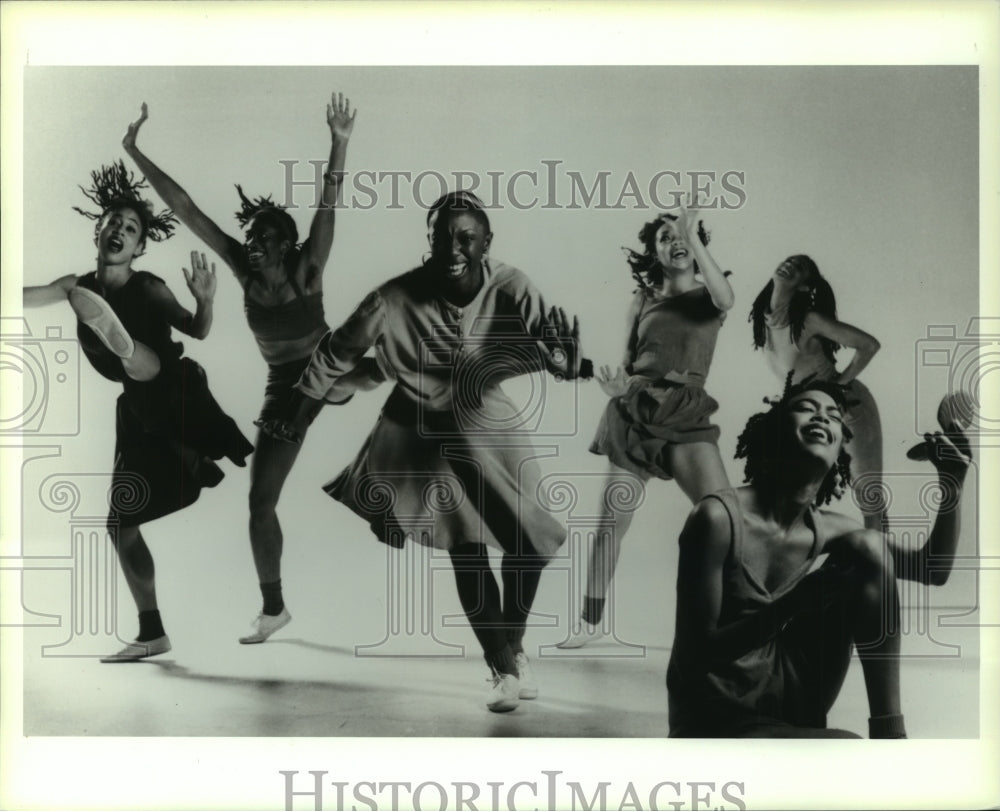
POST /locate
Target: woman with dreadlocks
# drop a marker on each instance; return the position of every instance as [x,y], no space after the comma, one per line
[795,322]
[657,421]
[282,285]
[169,428]
[773,590]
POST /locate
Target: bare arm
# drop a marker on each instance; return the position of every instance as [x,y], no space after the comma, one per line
[864,345]
[40,295]
[201,282]
[316,249]
[227,248]
[704,546]
[932,563]
[715,280]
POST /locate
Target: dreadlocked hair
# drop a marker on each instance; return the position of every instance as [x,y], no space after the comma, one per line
[264,209]
[762,441]
[113,188]
[818,297]
[645,266]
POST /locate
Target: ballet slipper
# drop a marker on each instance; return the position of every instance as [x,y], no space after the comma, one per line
[97,314]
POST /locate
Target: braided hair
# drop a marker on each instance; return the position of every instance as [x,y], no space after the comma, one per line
[114,188]
[817,297]
[762,440]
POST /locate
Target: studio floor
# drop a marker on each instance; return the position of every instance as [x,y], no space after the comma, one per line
[378,645]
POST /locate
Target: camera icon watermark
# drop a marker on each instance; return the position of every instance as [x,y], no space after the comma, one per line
[959,362]
[46,370]
[473,365]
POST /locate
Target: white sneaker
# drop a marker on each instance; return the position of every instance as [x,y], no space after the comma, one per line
[503,692]
[265,625]
[586,633]
[97,314]
[134,651]
[526,677]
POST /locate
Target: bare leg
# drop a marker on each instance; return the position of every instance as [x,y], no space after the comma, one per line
[137,566]
[877,630]
[698,469]
[269,468]
[866,457]
[607,544]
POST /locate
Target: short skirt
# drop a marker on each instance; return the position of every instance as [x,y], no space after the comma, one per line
[637,427]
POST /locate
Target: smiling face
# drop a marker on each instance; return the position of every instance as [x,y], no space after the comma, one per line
[793,274]
[818,424]
[265,245]
[672,248]
[121,237]
[459,240]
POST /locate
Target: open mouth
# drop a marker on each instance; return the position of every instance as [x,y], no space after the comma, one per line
[457,269]
[255,255]
[817,432]
[678,253]
[115,244]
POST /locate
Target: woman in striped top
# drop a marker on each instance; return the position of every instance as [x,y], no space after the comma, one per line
[283,300]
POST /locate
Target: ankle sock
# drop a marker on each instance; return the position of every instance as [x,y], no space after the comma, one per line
[886,726]
[150,626]
[593,610]
[502,661]
[273,602]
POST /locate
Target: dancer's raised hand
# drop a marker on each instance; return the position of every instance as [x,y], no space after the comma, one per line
[133,129]
[560,344]
[201,280]
[339,116]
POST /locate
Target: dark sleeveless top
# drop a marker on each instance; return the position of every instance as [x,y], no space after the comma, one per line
[138,312]
[705,698]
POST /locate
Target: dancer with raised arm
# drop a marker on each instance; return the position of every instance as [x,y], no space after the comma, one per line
[795,322]
[448,333]
[282,285]
[169,428]
[773,591]
[657,421]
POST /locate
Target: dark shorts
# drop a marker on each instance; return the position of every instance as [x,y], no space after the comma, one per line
[279,391]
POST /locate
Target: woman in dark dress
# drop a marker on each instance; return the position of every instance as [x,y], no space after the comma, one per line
[169,428]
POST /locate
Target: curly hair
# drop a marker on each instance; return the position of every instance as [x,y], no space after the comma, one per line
[114,188]
[763,440]
[645,264]
[817,298]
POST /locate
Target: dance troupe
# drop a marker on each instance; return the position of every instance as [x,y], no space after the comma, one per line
[773,590]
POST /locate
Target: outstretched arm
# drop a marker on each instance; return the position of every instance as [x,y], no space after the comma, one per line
[715,280]
[864,345]
[316,250]
[932,563]
[201,282]
[228,249]
[40,295]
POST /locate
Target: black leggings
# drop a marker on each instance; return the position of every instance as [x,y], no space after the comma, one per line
[499,627]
